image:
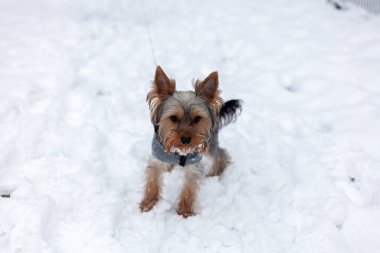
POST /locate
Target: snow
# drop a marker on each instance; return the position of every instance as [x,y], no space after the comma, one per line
[75,129]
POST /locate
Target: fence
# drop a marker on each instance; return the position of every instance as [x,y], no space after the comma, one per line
[372,6]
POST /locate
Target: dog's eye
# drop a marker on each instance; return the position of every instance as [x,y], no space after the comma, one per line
[197,119]
[173,118]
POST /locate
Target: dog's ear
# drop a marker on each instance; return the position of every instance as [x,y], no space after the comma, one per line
[162,88]
[208,89]
[162,84]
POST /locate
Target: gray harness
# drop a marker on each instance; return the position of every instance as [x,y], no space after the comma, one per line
[173,158]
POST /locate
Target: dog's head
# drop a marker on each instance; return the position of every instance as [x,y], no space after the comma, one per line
[184,120]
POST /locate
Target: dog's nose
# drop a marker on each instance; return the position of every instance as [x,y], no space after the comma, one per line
[185,140]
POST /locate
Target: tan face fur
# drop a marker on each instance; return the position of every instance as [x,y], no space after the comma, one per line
[184,119]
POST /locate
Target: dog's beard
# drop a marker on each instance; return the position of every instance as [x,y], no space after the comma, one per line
[188,150]
[173,145]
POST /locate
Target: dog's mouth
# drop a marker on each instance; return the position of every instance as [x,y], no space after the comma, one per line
[184,150]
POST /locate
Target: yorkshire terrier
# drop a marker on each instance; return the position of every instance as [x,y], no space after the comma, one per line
[186,126]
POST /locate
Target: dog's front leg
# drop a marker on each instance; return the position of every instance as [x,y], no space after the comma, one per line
[153,184]
[186,205]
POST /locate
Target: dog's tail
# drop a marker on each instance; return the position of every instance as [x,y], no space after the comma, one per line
[229,112]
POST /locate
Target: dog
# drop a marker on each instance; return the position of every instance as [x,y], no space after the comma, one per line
[186,126]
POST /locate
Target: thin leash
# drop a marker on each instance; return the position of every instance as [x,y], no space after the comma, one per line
[148,31]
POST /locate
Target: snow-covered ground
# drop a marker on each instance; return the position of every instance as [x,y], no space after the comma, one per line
[75,130]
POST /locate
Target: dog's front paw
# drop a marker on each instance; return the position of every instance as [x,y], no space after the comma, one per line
[147,204]
[185,213]
[185,210]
